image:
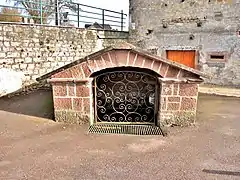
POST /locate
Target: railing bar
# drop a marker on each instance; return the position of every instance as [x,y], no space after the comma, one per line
[68,14]
[60,13]
[92,22]
[100,14]
[54,18]
[91,17]
[78,15]
[114,17]
[80,21]
[122,20]
[103,22]
[114,21]
[98,8]
[91,12]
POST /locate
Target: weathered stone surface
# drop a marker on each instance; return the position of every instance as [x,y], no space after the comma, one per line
[178,108]
[191,25]
[82,90]
[62,103]
[43,48]
[188,104]
[164,69]
[78,104]
[176,89]
[86,105]
[188,89]
[59,90]
[71,89]
[172,72]
[173,106]
[71,117]
[178,119]
[174,99]
[167,89]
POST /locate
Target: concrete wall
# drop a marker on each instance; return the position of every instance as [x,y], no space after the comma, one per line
[36,50]
[201,25]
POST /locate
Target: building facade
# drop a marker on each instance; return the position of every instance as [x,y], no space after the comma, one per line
[203,34]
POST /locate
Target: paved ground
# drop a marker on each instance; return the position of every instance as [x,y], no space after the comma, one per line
[36,148]
[220,90]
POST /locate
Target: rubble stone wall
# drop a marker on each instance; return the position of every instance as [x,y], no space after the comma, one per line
[36,50]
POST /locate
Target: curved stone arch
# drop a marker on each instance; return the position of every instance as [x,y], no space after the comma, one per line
[146,85]
[126,58]
[125,68]
[83,68]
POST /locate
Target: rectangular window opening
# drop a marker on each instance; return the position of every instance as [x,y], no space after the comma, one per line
[217,57]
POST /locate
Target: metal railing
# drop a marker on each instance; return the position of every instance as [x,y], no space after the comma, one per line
[63,13]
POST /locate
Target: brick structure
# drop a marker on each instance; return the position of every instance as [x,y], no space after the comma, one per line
[178,103]
[73,85]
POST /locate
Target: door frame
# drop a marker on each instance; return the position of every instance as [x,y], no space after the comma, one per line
[197,55]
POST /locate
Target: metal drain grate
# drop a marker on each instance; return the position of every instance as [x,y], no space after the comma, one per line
[125,129]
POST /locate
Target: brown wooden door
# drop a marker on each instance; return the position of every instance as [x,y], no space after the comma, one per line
[183,57]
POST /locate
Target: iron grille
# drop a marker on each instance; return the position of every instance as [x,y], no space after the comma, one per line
[125,97]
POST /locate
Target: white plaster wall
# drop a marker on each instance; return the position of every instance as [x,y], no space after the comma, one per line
[10,81]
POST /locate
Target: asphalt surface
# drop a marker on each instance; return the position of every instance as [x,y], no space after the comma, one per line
[32,147]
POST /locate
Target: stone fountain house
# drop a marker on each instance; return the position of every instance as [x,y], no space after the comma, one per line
[124,85]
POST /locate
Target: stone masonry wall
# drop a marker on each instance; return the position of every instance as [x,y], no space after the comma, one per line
[204,26]
[71,102]
[178,104]
[36,50]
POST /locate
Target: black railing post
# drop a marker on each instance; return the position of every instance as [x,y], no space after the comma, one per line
[121,20]
[56,12]
[103,19]
[78,14]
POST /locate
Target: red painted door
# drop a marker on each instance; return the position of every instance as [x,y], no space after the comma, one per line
[183,57]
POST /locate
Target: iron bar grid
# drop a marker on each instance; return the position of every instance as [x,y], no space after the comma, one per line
[65,13]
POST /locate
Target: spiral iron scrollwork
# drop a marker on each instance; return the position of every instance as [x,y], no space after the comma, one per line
[125,97]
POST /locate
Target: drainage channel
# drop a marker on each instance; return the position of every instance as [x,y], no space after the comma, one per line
[125,129]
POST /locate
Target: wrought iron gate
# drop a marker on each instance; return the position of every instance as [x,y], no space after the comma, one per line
[125,97]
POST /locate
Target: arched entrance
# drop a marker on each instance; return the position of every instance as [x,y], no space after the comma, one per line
[126,95]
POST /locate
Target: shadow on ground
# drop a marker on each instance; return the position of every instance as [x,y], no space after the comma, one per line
[38,103]
[229,173]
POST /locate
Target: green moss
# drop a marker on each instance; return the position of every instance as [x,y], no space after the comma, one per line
[184,118]
[71,117]
[178,119]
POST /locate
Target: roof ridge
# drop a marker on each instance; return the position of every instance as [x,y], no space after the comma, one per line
[123,45]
